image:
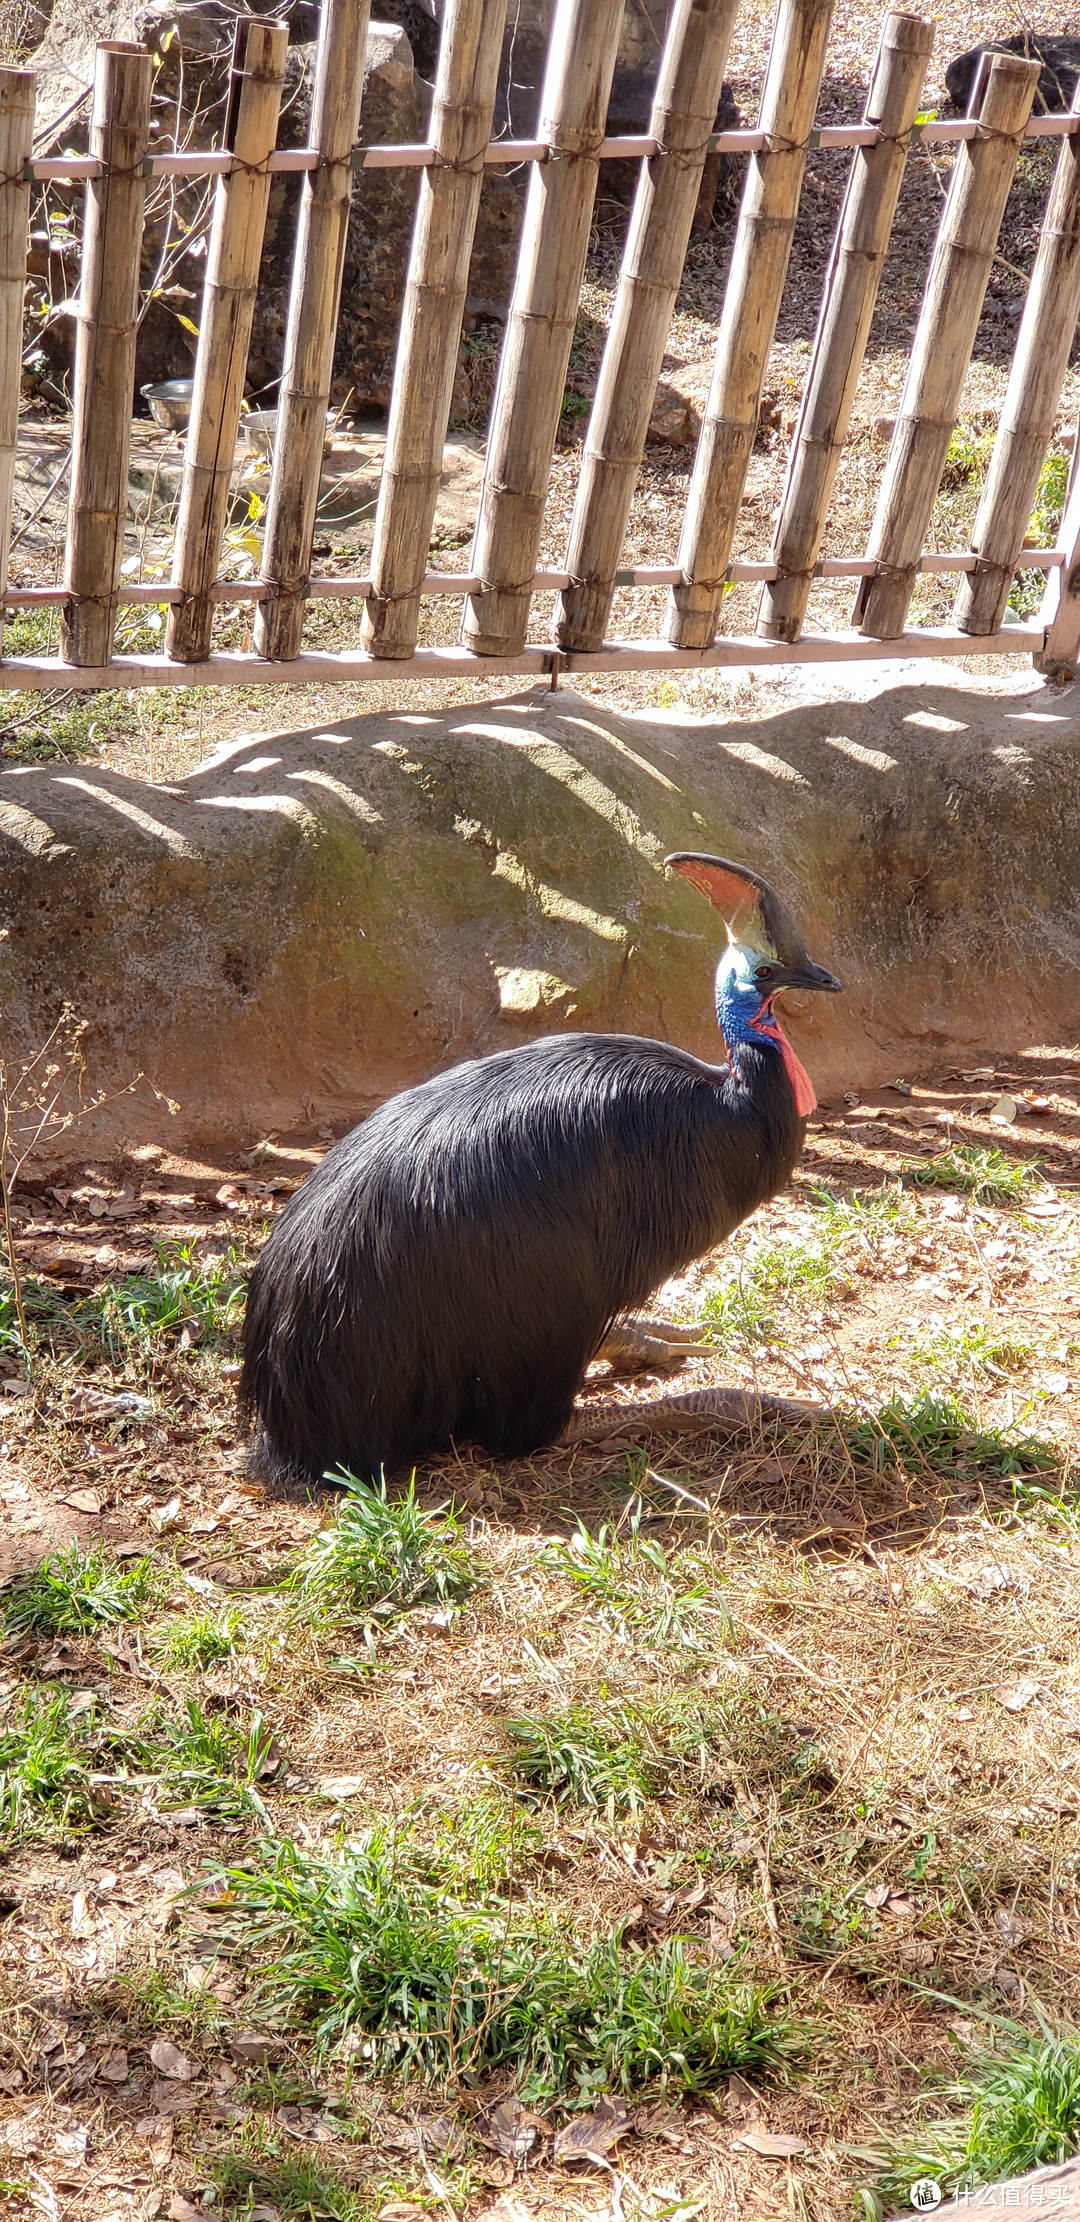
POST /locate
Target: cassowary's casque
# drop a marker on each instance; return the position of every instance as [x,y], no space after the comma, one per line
[455,1262]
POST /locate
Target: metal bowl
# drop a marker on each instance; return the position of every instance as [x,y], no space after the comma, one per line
[259,427]
[169,401]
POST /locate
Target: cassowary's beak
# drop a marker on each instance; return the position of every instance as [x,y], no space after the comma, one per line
[756,916]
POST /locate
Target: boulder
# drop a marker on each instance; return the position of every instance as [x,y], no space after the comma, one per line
[316,918]
[1060,58]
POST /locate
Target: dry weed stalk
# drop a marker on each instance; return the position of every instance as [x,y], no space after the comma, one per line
[32,1111]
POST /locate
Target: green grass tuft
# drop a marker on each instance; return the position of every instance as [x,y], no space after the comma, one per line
[633,1583]
[214,1763]
[986,1175]
[310,2190]
[130,1317]
[962,1352]
[383,1551]
[743,1309]
[72,1593]
[47,1759]
[1021,2110]
[933,1430]
[582,1756]
[611,1757]
[200,1640]
[413,1978]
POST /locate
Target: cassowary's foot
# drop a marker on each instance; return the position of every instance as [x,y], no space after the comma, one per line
[636,1345]
[695,1413]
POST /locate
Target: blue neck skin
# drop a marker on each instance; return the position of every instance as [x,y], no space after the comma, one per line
[743,1013]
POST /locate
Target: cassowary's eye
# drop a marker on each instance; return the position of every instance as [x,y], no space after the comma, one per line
[763,973]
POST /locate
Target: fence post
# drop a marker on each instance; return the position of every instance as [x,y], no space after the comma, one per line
[105,351]
[232,277]
[948,321]
[536,347]
[1047,329]
[755,284]
[304,392]
[469,56]
[683,116]
[17,91]
[851,290]
[1059,615]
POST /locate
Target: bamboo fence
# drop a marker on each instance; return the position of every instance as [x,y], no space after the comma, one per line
[504,576]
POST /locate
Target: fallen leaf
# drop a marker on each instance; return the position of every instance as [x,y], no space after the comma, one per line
[1009,1927]
[496,2174]
[507,2209]
[82,1500]
[169,2098]
[181,2209]
[164,1516]
[509,2128]
[339,1786]
[170,2061]
[1055,1384]
[158,2132]
[94,1401]
[1003,1112]
[771,2145]
[875,1897]
[592,2136]
[1015,1695]
[71,2144]
[114,2067]
[249,2049]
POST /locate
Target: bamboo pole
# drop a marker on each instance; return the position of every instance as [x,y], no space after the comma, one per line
[304,392]
[755,284]
[232,277]
[335,667]
[1047,329]
[17,91]
[948,321]
[536,348]
[684,112]
[1059,613]
[105,351]
[851,290]
[469,55]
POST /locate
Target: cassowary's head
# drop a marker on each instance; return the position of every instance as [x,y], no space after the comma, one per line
[765,953]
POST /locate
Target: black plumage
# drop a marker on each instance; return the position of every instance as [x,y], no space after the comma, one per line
[454,1264]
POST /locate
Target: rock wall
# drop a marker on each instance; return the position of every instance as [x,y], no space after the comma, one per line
[315,919]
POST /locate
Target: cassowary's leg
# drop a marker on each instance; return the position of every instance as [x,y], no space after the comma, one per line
[636,1345]
[695,1413]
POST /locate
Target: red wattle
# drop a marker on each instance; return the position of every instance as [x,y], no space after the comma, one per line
[802,1086]
[801,1083]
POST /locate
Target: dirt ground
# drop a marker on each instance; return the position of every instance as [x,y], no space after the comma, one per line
[904,1622]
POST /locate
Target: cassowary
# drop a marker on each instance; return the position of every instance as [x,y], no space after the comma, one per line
[454,1264]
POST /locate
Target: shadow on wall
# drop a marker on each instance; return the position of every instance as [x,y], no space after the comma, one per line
[314,919]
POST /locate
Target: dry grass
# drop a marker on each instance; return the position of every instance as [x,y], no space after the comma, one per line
[848,1672]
